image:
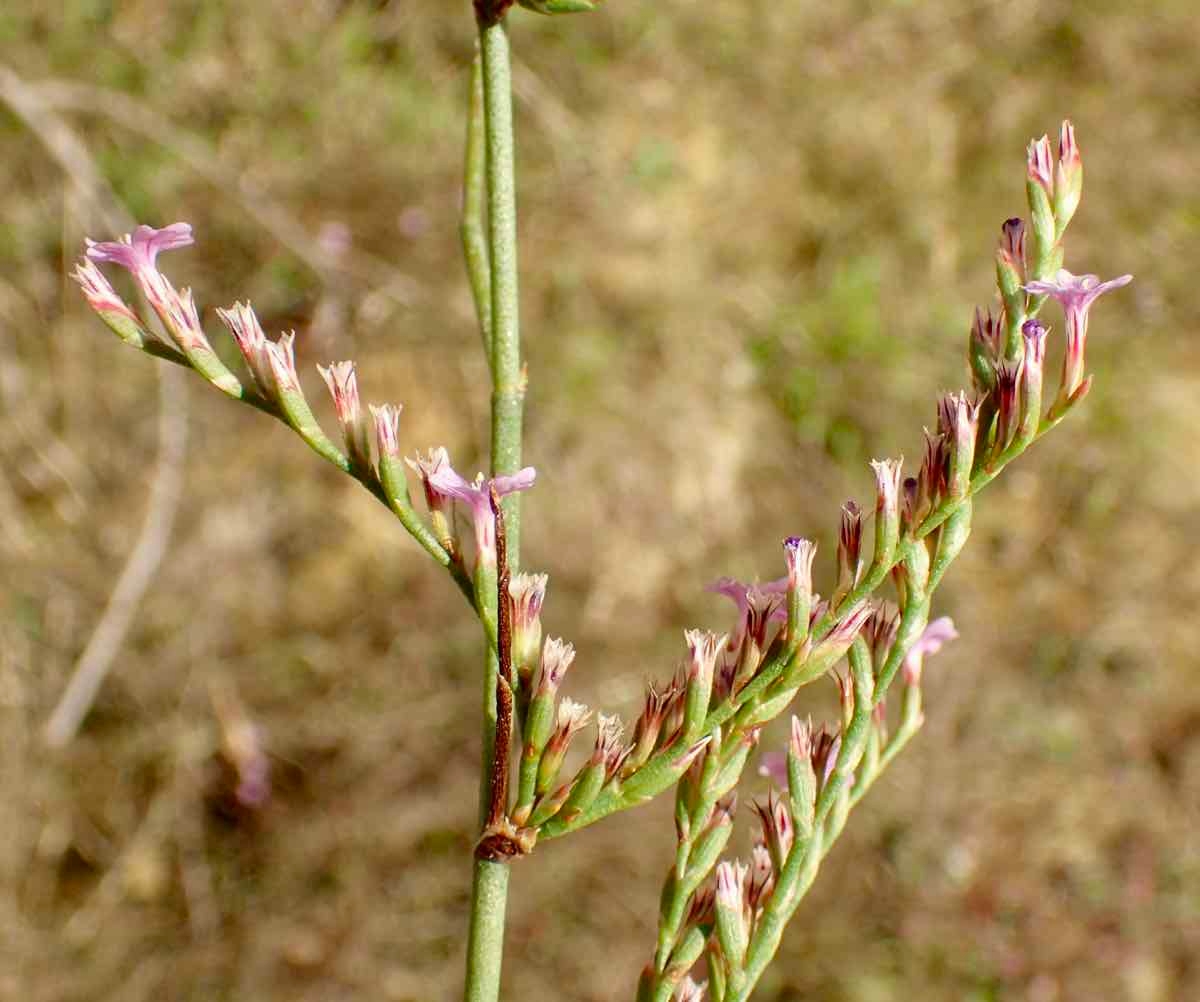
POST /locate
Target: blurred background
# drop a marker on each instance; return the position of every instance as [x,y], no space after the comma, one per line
[752,237]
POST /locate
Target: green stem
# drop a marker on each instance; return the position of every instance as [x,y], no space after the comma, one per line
[485,942]
[330,453]
[489,891]
[508,381]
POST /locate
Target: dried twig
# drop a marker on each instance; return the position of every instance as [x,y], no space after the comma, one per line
[147,554]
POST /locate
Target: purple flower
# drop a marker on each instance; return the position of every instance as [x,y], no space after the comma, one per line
[1075,293]
[757,605]
[138,251]
[445,481]
[931,640]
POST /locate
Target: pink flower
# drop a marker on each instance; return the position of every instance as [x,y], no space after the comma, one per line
[1075,293]
[757,604]
[931,640]
[139,251]
[443,480]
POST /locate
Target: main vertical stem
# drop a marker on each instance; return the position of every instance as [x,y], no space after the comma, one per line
[489,889]
[508,379]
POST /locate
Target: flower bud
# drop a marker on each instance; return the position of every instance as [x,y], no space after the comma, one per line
[849,548]
[1034,334]
[1068,179]
[247,333]
[557,657]
[961,419]
[689,990]
[778,828]
[824,752]
[933,478]
[1010,262]
[648,727]
[887,511]
[832,647]
[281,357]
[762,877]
[802,780]
[438,503]
[799,554]
[1039,189]
[732,931]
[985,348]
[343,387]
[703,650]
[1008,415]
[526,593]
[117,315]
[571,719]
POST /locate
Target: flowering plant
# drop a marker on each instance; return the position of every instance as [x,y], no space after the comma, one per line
[721,921]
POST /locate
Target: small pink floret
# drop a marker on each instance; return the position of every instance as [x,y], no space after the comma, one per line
[139,251]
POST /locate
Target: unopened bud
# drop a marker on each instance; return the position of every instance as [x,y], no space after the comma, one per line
[887,511]
[427,467]
[343,387]
[1068,178]
[557,657]
[1034,334]
[248,335]
[648,727]
[689,990]
[281,356]
[779,831]
[1010,260]
[609,750]
[825,748]
[762,877]
[732,931]
[1039,188]
[833,647]
[571,719]
[547,806]
[849,549]
[1008,415]
[802,780]
[111,308]
[933,477]
[1010,279]
[703,650]
[526,594]
[985,348]
[962,426]
[799,554]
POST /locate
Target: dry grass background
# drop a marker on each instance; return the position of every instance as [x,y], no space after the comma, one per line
[752,235]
